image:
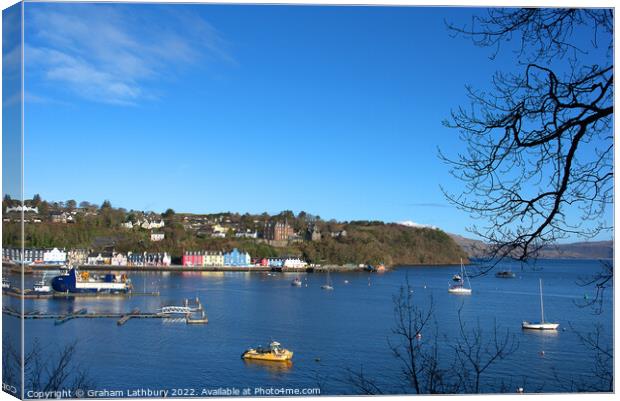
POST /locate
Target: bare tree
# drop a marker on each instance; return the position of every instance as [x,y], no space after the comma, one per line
[539,143]
[424,369]
[602,377]
[601,281]
[476,354]
[45,371]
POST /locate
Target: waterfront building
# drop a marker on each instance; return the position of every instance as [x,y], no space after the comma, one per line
[275,262]
[118,259]
[278,231]
[213,259]
[127,224]
[294,263]
[77,257]
[157,259]
[237,258]
[193,259]
[135,259]
[30,255]
[55,257]
[99,258]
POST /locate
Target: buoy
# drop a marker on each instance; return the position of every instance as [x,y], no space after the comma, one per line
[542,353]
[317,359]
[520,390]
[418,336]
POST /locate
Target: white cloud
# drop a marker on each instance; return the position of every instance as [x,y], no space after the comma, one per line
[410,223]
[112,53]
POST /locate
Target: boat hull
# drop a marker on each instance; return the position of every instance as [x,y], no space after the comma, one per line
[539,326]
[69,284]
[269,356]
[460,291]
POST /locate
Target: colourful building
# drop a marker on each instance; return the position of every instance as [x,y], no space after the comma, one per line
[237,258]
[193,259]
[213,259]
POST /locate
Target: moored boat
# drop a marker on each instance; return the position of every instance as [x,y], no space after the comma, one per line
[296,282]
[41,287]
[274,353]
[74,282]
[542,325]
[505,274]
[6,284]
[460,288]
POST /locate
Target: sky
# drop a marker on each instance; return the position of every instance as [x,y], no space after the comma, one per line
[336,111]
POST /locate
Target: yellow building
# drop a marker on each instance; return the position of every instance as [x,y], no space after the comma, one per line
[213,259]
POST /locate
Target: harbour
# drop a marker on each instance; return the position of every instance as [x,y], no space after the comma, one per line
[328,331]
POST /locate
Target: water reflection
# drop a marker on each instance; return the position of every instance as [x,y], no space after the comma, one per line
[274,367]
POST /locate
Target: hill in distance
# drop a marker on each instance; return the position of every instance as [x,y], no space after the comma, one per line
[577,250]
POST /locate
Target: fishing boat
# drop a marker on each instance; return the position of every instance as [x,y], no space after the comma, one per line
[274,353]
[41,287]
[542,325]
[505,274]
[328,284]
[6,284]
[74,282]
[296,282]
[460,288]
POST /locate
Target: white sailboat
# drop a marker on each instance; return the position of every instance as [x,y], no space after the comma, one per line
[542,325]
[459,288]
[328,284]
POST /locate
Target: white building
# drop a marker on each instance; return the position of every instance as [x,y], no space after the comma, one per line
[157,237]
[128,225]
[119,260]
[294,263]
[55,257]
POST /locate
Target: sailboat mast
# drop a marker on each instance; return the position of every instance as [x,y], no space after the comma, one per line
[542,310]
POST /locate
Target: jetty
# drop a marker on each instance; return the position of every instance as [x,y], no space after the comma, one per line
[194,314]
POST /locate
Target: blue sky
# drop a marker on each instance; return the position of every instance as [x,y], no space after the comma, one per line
[205,108]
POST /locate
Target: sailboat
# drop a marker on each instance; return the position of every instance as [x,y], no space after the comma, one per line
[459,287]
[328,284]
[542,325]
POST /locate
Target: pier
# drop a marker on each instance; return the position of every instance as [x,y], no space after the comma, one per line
[194,314]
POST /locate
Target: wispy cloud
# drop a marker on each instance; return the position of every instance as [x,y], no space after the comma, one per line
[114,53]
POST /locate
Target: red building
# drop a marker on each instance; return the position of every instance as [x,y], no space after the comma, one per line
[191,259]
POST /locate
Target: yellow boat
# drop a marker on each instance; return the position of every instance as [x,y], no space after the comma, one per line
[273,353]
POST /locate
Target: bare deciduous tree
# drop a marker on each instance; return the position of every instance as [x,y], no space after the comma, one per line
[45,371]
[539,144]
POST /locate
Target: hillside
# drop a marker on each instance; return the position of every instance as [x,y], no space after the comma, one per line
[577,250]
[65,225]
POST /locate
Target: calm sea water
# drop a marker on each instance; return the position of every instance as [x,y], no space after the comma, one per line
[330,332]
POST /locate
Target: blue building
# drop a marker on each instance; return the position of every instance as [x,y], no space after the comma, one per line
[236,258]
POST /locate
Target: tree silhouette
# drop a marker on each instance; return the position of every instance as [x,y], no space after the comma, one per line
[538,164]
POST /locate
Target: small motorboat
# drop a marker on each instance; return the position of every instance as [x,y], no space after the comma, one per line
[41,287]
[296,282]
[505,274]
[274,353]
